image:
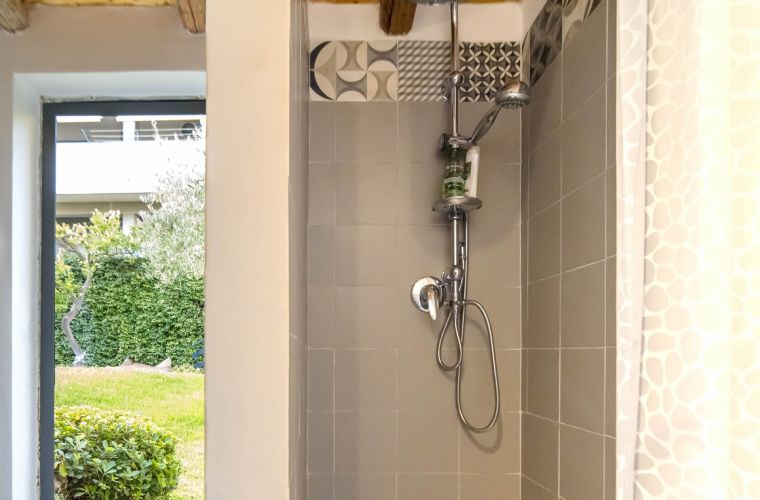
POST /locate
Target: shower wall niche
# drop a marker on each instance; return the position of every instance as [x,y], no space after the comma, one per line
[381,421]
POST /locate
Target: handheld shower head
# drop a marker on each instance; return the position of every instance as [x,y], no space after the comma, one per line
[514,95]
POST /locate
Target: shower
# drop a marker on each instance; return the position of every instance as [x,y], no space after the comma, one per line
[459,196]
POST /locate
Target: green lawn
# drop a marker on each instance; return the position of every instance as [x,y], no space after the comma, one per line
[173,401]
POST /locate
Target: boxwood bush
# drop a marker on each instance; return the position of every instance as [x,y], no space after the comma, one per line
[130,313]
[109,455]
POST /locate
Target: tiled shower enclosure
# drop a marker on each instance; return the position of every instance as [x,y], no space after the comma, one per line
[382,423]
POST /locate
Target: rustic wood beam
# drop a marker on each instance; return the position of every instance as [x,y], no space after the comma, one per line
[397,16]
[13,15]
[87,3]
[193,14]
[379,1]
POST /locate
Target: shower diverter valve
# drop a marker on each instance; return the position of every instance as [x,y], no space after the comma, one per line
[427,295]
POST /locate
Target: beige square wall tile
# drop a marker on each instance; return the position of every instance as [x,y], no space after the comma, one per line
[427,442]
[546,103]
[320,379]
[543,382]
[584,62]
[320,442]
[366,194]
[321,194]
[322,131]
[582,388]
[320,486]
[611,211]
[365,487]
[422,385]
[366,316]
[477,384]
[541,437]
[581,464]
[499,188]
[610,413]
[610,469]
[584,140]
[366,132]
[494,255]
[419,128]
[427,487]
[321,316]
[543,314]
[534,491]
[583,307]
[365,442]
[544,177]
[583,225]
[610,300]
[423,251]
[543,244]
[491,452]
[321,255]
[503,307]
[365,255]
[419,187]
[365,380]
[490,487]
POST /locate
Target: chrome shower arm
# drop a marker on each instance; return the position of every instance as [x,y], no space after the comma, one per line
[485,124]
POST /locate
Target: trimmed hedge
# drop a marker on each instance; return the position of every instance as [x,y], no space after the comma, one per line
[130,313]
[112,456]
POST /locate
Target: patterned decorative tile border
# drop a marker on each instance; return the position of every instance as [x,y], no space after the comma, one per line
[382,71]
[554,26]
[360,71]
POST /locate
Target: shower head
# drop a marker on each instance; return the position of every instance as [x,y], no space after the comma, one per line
[514,95]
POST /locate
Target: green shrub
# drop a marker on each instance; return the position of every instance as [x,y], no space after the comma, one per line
[130,313]
[112,456]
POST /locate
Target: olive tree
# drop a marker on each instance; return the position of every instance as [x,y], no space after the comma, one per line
[172,231]
[88,243]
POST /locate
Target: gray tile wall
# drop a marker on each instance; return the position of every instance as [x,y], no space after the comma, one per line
[297,225]
[381,416]
[568,273]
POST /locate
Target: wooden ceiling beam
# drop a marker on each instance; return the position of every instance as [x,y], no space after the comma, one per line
[397,16]
[193,14]
[380,1]
[13,15]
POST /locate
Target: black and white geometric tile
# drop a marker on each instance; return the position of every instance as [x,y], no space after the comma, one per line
[408,70]
[354,71]
[487,67]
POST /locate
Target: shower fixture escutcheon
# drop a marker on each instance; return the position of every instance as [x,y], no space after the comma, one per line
[448,293]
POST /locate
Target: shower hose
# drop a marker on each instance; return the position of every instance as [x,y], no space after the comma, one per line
[457,317]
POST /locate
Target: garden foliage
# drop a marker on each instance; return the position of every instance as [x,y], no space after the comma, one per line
[131,312]
[112,456]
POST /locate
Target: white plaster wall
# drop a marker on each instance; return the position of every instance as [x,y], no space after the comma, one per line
[74,43]
[247,260]
[478,23]
[25,309]
[530,10]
